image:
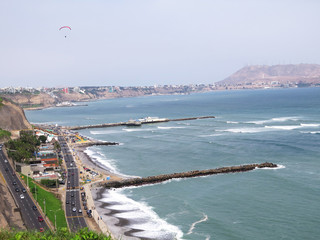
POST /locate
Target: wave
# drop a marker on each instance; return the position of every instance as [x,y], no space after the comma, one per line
[279,119]
[310,125]
[138,129]
[233,122]
[102,159]
[170,127]
[105,132]
[288,127]
[244,130]
[140,216]
[193,225]
[266,128]
[310,132]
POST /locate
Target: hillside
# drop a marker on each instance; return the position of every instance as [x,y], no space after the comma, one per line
[292,74]
[12,117]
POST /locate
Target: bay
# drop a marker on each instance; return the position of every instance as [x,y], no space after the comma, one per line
[279,125]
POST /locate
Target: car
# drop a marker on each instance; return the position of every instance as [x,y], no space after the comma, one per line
[85,208]
[74,209]
[72,174]
[21,196]
[40,219]
[80,211]
[72,194]
[34,207]
[7,169]
[5,160]
[17,190]
[67,202]
[24,190]
[14,183]
[72,203]
[41,229]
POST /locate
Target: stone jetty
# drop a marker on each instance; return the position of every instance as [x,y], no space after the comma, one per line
[190,174]
[136,123]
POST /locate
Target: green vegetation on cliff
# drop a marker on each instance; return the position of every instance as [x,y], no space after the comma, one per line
[22,149]
[4,135]
[61,234]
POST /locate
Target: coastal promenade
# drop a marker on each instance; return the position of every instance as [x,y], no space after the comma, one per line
[136,123]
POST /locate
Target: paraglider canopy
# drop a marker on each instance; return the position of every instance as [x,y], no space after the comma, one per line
[65,27]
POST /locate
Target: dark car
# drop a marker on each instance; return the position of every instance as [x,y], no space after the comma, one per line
[34,207]
[40,219]
[67,202]
[73,203]
[24,190]
[7,169]
[17,190]
[14,183]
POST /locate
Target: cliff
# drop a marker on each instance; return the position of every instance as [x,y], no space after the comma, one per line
[12,117]
[285,74]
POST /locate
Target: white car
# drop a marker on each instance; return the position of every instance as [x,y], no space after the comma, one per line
[22,196]
[74,209]
[80,211]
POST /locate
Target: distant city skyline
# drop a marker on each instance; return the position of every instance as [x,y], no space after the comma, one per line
[146,43]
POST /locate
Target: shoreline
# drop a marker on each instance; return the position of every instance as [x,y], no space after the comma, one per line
[102,209]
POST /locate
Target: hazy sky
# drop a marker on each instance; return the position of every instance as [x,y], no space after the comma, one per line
[148,42]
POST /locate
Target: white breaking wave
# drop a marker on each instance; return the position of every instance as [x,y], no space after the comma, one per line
[232,122]
[105,132]
[193,225]
[280,119]
[310,125]
[310,132]
[102,159]
[244,130]
[138,129]
[169,127]
[266,128]
[140,216]
[289,127]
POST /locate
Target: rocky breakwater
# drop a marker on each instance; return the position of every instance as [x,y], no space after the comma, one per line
[190,174]
[95,143]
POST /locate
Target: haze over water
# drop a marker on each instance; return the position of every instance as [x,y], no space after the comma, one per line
[280,126]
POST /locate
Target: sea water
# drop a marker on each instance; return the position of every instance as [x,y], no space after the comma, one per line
[251,126]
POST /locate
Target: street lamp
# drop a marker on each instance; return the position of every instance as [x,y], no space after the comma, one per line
[55,218]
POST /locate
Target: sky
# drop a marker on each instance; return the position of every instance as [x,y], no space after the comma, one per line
[150,42]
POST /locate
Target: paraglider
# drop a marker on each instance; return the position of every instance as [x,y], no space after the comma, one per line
[65,27]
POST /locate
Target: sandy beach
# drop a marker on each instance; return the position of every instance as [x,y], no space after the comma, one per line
[119,227]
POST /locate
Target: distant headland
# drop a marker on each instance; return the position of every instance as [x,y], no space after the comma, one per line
[249,77]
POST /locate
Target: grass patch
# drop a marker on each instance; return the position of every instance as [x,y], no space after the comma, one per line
[60,234]
[4,134]
[49,200]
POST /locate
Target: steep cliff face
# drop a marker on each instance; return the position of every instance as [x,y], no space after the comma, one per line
[12,117]
[299,73]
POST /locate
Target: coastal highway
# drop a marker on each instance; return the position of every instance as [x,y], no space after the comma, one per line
[28,208]
[75,218]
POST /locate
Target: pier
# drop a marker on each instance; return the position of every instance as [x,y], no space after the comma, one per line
[190,174]
[137,122]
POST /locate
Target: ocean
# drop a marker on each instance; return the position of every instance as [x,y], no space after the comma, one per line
[281,126]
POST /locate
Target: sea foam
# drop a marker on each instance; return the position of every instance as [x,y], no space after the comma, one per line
[140,216]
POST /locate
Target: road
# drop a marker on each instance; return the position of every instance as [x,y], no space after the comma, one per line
[75,218]
[28,207]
